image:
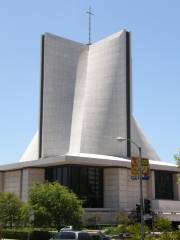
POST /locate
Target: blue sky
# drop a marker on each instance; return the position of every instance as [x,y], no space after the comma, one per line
[156,63]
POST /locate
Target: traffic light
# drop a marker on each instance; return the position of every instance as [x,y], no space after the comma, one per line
[138,212]
[138,208]
[147,206]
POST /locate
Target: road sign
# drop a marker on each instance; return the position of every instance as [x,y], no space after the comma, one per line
[135,168]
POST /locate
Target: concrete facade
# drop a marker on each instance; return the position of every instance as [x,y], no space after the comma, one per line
[82,86]
[120,192]
[20,181]
[85,104]
[29,177]
[12,182]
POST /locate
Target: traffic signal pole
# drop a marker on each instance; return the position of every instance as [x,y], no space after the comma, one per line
[121,139]
[141,194]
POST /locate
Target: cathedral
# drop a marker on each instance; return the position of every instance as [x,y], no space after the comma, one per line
[85,104]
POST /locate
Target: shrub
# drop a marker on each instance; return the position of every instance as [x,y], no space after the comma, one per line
[135,230]
[26,234]
[123,218]
[162,224]
[115,230]
[15,234]
[170,236]
[40,235]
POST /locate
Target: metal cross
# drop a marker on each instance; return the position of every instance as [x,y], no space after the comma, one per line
[90,14]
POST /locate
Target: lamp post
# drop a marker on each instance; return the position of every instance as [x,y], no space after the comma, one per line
[121,139]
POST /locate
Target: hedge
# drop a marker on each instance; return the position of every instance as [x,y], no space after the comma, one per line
[23,234]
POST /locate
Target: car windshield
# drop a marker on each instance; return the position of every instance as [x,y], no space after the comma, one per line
[65,235]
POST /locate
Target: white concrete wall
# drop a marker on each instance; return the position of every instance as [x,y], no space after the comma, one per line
[32,151]
[12,182]
[151,186]
[100,216]
[61,59]
[171,217]
[166,205]
[20,181]
[78,106]
[25,184]
[31,176]
[120,192]
[84,99]
[86,87]
[137,134]
[85,84]
[105,97]
[129,190]
[111,188]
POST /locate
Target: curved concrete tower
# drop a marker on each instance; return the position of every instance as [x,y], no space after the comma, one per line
[86,99]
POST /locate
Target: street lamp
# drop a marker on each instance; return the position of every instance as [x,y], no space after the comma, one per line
[121,139]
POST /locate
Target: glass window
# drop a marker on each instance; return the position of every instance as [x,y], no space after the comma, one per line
[59,175]
[85,181]
[49,174]
[65,176]
[163,185]
[75,171]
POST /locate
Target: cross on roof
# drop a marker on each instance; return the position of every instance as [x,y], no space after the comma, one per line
[90,14]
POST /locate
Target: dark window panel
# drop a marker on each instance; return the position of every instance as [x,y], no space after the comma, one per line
[49,174]
[59,175]
[86,182]
[163,185]
[65,176]
[75,179]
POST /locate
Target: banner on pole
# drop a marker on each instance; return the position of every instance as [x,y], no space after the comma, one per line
[135,168]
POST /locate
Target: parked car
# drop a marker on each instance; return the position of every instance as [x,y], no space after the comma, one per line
[69,235]
[98,235]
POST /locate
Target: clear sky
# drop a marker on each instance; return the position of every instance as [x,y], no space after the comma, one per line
[155,27]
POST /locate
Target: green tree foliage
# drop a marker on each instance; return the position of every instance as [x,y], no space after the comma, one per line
[25,215]
[10,207]
[177,158]
[54,205]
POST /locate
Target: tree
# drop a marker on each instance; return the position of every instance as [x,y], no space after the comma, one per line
[10,207]
[25,215]
[55,205]
[177,158]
